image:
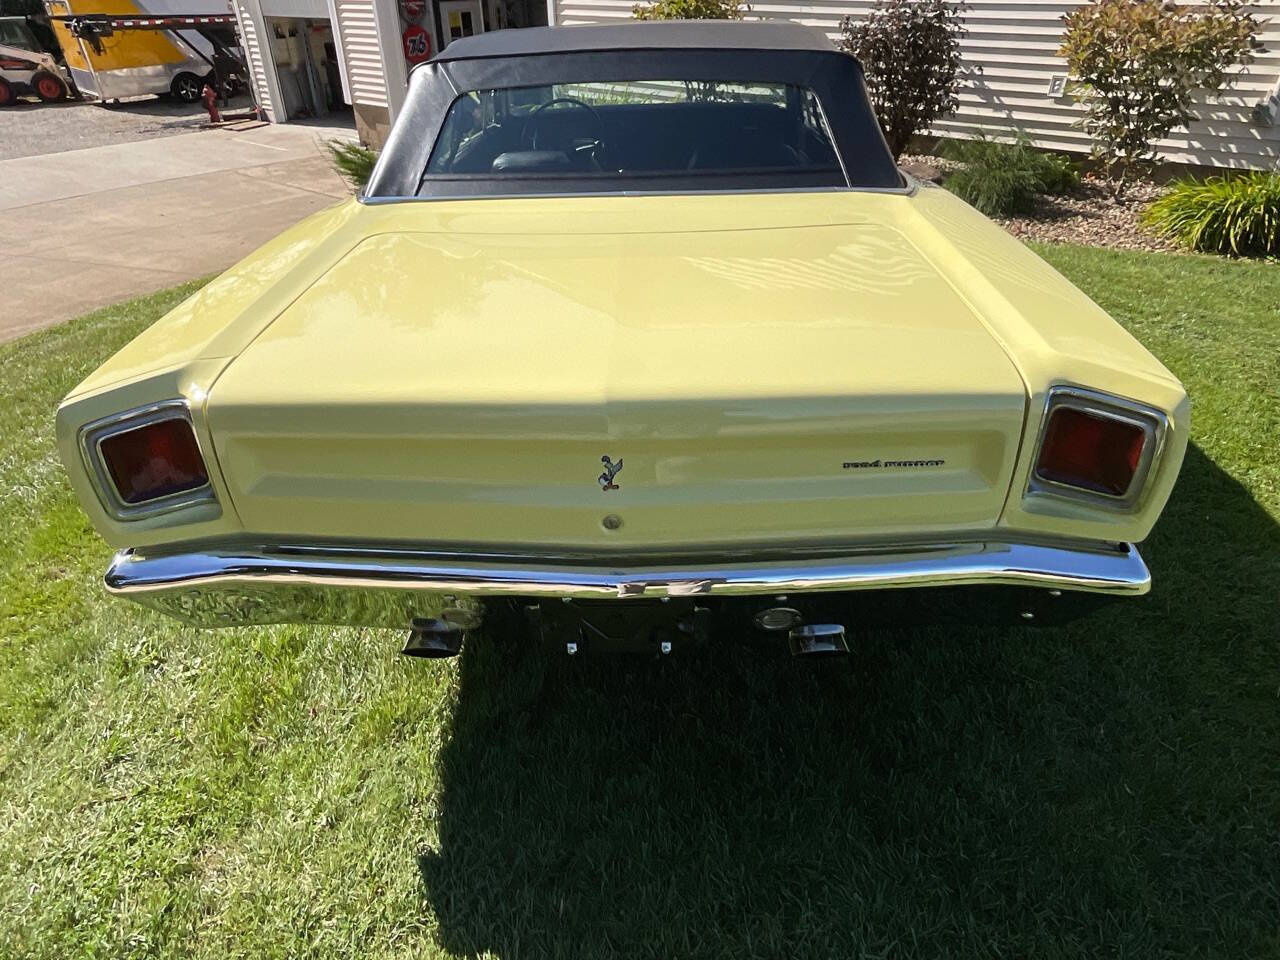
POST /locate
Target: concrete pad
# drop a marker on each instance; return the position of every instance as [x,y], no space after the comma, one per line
[301,174]
[73,173]
[95,238]
[45,290]
[147,218]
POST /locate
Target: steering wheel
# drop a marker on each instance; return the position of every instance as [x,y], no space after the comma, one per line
[593,150]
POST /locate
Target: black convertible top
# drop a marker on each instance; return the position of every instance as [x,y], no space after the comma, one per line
[689,51]
[639,35]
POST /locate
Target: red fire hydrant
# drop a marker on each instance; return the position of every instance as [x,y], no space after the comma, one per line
[210,98]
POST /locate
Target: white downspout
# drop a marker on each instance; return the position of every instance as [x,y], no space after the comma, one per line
[395,73]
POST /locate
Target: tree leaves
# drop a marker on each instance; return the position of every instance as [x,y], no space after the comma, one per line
[689,10]
[910,54]
[1140,61]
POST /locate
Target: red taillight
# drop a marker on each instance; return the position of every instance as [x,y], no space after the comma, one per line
[1090,452]
[153,461]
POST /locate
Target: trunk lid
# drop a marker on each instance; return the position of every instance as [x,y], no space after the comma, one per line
[810,383]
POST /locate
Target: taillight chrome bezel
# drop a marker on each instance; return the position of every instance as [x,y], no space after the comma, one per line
[91,438]
[1153,423]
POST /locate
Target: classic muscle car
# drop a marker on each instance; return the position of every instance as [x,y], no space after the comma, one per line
[642,320]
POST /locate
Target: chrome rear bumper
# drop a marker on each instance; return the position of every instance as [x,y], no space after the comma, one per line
[383,587]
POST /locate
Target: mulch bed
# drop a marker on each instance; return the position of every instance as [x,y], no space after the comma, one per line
[1086,216]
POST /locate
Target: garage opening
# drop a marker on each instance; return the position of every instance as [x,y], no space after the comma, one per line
[306,60]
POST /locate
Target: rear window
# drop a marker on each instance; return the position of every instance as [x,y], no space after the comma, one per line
[636,129]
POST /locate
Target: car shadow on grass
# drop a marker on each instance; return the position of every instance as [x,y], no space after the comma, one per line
[1107,787]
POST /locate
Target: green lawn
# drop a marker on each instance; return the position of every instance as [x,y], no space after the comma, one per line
[1112,788]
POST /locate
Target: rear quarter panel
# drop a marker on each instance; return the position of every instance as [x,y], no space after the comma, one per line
[181,356]
[1055,335]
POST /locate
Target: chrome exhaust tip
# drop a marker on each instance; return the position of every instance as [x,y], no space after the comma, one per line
[816,641]
[432,639]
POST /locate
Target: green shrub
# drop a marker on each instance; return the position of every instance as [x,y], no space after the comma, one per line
[689,10]
[1058,173]
[1003,179]
[910,55]
[1141,64]
[1235,215]
[353,162]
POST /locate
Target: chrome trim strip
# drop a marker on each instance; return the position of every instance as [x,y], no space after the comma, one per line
[904,191]
[826,124]
[1154,423]
[90,441]
[216,587]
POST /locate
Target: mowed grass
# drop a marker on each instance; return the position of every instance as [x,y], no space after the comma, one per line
[1107,789]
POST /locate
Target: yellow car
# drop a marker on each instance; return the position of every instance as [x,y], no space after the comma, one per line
[633,324]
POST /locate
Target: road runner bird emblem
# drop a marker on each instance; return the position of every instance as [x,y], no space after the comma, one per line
[611,470]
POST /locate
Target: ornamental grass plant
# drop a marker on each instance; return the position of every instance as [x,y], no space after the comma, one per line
[1235,215]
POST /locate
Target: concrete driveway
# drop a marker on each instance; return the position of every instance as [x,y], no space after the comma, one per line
[87,228]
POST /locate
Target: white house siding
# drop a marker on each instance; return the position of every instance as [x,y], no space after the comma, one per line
[1015,43]
[261,69]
